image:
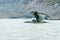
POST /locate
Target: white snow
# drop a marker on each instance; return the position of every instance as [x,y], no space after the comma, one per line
[16,29]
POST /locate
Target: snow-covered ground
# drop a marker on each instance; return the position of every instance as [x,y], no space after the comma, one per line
[16,29]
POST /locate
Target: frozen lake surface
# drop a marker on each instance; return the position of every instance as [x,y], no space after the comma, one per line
[16,29]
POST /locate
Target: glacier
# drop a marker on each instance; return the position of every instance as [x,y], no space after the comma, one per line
[16,29]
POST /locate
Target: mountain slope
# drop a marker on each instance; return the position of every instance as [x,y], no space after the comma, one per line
[25,6]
